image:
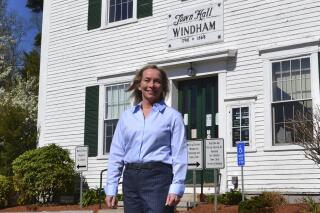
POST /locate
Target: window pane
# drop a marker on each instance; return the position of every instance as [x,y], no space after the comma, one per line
[235,136]
[245,116]
[245,134]
[276,74]
[286,90]
[276,88]
[289,133]
[295,69]
[279,133]
[118,12]
[288,112]
[112,13]
[130,9]
[236,117]
[278,113]
[285,69]
[305,68]
[296,89]
[124,10]
[306,87]
[110,126]
[308,109]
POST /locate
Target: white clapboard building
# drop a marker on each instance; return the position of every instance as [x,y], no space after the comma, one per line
[239,70]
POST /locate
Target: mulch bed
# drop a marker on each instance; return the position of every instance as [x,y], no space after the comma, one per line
[203,208]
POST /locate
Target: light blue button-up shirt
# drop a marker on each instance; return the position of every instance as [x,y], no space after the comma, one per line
[158,137]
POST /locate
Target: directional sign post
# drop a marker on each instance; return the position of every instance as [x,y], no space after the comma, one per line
[241,161]
[214,160]
[214,153]
[195,161]
[195,155]
[81,164]
[81,159]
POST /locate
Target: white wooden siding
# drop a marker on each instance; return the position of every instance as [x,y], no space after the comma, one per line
[77,56]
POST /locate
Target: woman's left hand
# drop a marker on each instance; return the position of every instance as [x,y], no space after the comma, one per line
[172,199]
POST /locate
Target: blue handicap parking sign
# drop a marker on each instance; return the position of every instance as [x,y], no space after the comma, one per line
[240,153]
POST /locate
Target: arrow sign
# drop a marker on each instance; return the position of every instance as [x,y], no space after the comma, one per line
[195,155]
[197,164]
[81,158]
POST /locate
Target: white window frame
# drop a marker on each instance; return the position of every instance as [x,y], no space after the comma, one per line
[275,102]
[239,102]
[105,118]
[103,82]
[285,51]
[105,15]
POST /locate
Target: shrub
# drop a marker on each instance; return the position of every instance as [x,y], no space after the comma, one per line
[5,189]
[91,196]
[264,203]
[312,206]
[230,198]
[40,175]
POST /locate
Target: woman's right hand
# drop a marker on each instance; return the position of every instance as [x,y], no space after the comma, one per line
[111,201]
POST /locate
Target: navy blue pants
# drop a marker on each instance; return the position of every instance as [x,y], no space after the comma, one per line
[146,189]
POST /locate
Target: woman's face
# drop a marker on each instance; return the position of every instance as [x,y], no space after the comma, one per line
[151,85]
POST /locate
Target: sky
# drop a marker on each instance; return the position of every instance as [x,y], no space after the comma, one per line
[19,7]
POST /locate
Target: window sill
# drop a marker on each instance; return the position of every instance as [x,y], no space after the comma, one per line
[118,23]
[285,147]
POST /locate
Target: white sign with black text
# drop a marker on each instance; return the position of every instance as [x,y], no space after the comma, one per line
[214,153]
[195,26]
[81,158]
[195,155]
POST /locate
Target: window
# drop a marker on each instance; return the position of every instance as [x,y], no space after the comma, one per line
[240,125]
[116,101]
[119,10]
[291,95]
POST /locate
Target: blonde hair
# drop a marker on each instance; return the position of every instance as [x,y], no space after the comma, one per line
[134,87]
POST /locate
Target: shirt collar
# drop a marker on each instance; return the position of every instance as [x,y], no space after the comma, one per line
[160,106]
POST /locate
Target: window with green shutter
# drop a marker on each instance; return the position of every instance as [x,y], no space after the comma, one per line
[118,12]
[91,119]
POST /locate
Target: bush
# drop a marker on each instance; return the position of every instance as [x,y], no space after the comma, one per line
[5,189]
[312,206]
[230,198]
[40,175]
[91,196]
[264,203]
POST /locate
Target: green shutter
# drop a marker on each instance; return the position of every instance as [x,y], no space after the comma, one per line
[91,120]
[94,14]
[144,8]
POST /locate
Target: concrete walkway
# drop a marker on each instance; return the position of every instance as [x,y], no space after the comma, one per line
[118,210]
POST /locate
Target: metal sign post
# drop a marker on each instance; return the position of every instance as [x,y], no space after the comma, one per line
[215,160]
[241,162]
[81,189]
[81,164]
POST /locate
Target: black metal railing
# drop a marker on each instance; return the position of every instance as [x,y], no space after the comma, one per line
[100,189]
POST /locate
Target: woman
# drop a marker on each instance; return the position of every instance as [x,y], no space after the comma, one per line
[150,142]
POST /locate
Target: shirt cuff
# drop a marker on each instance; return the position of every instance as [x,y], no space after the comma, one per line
[111,190]
[177,189]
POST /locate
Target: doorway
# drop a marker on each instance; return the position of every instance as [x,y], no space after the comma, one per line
[198,103]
